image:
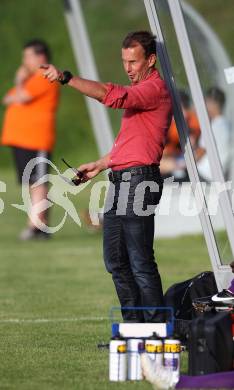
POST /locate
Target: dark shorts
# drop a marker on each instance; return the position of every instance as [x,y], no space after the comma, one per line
[23,156]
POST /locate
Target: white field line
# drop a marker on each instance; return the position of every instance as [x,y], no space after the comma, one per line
[50,320]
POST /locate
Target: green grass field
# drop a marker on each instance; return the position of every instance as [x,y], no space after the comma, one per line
[55,298]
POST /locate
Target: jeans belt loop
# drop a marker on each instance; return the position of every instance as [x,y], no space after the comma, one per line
[117,175]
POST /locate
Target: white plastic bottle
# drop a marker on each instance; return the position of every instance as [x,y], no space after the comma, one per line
[118,359]
[154,349]
[172,349]
[134,359]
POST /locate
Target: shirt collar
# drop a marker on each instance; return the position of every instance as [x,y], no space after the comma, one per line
[153,74]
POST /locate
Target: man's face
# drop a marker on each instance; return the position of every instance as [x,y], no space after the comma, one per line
[135,64]
[31,60]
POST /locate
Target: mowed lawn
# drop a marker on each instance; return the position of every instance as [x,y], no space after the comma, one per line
[55,298]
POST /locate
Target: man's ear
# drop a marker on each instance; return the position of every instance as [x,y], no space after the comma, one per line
[152,60]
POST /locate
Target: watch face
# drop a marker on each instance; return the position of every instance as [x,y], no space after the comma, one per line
[66,76]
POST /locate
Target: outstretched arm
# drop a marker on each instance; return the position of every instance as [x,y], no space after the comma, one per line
[93,89]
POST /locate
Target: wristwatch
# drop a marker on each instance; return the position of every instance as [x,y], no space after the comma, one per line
[66,77]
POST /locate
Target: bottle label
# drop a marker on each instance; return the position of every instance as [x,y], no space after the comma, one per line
[171,362]
[122,348]
[172,348]
[150,348]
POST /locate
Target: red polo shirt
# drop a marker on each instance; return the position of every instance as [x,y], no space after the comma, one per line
[145,122]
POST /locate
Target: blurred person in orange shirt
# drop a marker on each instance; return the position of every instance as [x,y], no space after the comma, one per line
[172,162]
[29,125]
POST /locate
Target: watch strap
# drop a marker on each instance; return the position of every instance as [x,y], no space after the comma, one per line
[67,76]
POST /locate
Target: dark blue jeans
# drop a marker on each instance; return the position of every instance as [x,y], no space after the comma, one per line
[128,244]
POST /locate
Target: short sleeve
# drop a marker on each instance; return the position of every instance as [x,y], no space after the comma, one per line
[143,96]
[115,96]
[37,86]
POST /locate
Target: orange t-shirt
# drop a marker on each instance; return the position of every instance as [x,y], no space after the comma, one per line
[32,125]
[172,147]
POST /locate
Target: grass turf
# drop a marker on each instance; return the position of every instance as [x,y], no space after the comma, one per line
[27,19]
[64,280]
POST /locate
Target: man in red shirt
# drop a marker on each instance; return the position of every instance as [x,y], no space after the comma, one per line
[136,181]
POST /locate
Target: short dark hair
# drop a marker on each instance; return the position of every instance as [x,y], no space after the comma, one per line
[217,95]
[143,38]
[40,47]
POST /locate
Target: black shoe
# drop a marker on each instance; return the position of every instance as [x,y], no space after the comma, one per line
[224,296]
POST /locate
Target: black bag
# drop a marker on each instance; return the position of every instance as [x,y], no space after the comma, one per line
[181,295]
[210,344]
